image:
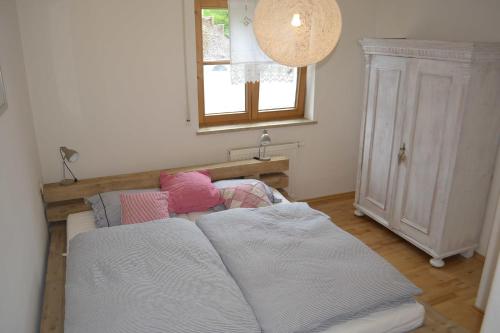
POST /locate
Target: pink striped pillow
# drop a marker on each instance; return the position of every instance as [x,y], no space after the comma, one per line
[144,207]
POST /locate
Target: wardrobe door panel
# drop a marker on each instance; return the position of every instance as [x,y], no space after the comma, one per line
[429,142]
[382,132]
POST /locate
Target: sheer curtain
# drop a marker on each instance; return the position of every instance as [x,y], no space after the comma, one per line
[248,62]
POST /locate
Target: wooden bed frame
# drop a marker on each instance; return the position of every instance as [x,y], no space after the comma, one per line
[61,201]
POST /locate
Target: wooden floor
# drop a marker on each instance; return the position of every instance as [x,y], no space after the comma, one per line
[449,291]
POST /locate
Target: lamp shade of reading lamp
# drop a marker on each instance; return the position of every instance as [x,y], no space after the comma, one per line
[265,140]
[297,33]
[68,156]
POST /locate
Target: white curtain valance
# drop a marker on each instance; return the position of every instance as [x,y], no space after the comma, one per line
[261,72]
[248,62]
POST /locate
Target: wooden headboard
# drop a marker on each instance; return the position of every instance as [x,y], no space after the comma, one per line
[62,201]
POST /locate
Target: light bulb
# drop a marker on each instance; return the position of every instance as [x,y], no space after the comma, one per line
[296,21]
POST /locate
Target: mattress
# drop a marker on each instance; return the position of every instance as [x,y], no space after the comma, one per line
[404,318]
[85,221]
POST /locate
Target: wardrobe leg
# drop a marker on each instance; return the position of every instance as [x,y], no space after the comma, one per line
[437,263]
[468,254]
[359,213]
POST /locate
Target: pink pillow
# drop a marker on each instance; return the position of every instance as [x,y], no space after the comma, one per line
[190,192]
[144,207]
[246,196]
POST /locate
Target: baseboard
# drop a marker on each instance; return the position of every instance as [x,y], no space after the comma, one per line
[339,196]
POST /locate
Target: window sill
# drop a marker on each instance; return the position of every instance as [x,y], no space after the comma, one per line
[253,126]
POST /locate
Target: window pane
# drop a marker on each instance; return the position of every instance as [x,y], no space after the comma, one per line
[279,94]
[215,28]
[220,95]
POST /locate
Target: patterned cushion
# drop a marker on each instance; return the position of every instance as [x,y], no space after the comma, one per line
[144,207]
[246,196]
[222,184]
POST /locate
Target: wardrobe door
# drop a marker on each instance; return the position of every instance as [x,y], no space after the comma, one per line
[426,160]
[381,136]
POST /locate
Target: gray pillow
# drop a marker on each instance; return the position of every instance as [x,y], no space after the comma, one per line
[237,182]
[107,207]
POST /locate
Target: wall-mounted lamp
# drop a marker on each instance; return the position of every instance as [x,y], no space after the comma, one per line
[265,140]
[71,156]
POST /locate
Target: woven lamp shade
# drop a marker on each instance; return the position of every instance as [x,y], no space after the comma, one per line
[297,33]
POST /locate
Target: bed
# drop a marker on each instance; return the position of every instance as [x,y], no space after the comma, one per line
[402,317]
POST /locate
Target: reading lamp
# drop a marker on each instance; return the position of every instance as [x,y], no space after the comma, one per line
[71,156]
[265,140]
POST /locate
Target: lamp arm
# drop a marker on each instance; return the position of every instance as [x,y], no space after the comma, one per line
[71,172]
[65,165]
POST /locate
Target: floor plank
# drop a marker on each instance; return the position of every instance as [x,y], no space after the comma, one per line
[451,291]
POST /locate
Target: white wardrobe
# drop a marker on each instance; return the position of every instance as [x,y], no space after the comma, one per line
[430,132]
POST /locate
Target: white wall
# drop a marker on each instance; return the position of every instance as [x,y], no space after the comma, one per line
[23,232]
[492,257]
[491,210]
[107,78]
[491,321]
[451,20]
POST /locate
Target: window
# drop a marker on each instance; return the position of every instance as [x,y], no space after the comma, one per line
[222,102]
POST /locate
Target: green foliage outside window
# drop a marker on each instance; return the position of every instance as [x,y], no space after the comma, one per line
[221,16]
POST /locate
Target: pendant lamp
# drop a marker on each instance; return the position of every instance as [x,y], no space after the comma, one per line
[297,33]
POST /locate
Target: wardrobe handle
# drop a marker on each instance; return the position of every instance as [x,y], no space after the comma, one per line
[402,153]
